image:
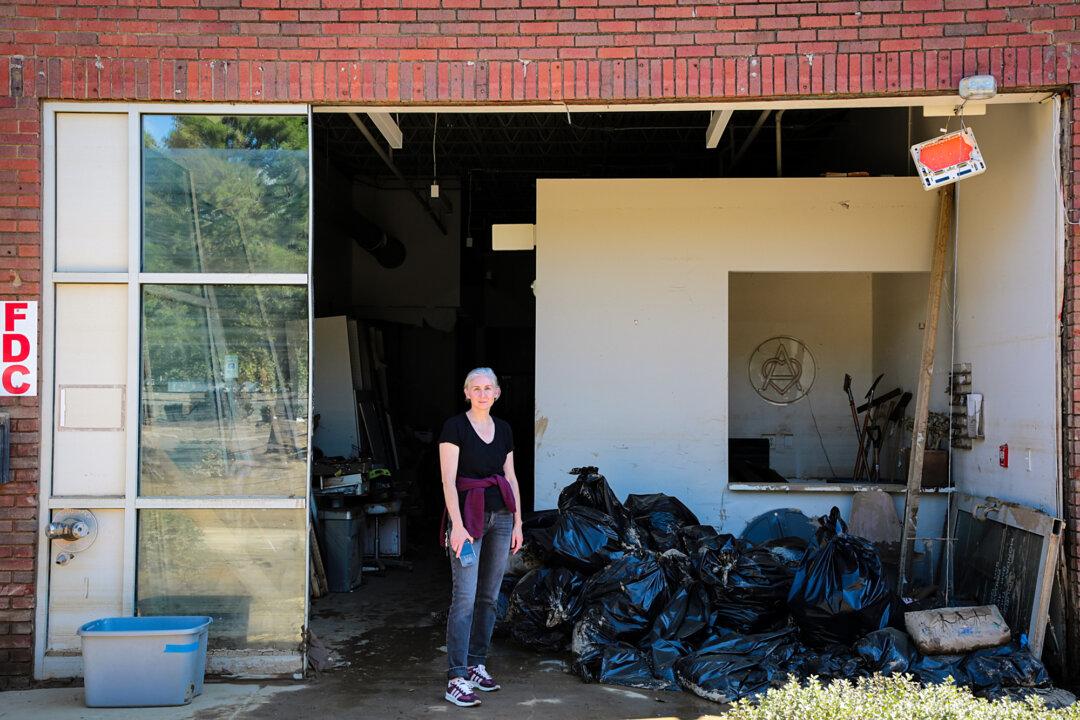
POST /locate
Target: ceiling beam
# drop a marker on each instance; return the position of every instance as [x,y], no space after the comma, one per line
[397,173]
[389,129]
[750,138]
[718,122]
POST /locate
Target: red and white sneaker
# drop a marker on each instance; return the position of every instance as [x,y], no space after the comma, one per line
[459,691]
[481,679]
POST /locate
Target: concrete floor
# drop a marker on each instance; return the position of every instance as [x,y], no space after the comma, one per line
[385,630]
[396,652]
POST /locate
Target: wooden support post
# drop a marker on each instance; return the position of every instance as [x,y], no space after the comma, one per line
[926,375]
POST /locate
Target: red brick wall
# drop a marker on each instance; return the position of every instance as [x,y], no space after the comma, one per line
[1070,385]
[479,51]
[20,279]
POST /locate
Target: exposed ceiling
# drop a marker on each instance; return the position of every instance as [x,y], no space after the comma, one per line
[497,157]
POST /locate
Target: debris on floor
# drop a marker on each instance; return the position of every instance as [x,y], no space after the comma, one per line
[647,597]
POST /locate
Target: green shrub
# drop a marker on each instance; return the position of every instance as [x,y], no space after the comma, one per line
[887,698]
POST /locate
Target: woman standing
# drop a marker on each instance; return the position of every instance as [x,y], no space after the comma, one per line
[476,456]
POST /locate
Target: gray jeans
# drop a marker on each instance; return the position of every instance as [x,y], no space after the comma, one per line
[476,588]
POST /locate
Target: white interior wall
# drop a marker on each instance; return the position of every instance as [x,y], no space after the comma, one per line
[899,317]
[1007,324]
[422,289]
[632,314]
[832,314]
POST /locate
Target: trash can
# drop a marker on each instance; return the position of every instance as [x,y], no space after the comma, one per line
[340,535]
[144,661]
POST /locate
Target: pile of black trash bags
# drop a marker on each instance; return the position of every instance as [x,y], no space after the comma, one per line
[646,596]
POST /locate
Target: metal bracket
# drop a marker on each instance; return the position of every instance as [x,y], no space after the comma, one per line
[5,448]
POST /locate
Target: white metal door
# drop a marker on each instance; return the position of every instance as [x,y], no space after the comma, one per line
[176,337]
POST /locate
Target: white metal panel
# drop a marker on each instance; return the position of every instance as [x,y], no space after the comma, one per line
[513,237]
[91,407]
[90,377]
[1007,305]
[333,400]
[88,586]
[91,191]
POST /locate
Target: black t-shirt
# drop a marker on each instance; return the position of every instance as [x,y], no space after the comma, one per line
[477,459]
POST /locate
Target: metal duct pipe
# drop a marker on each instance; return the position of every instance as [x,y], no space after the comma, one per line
[387,250]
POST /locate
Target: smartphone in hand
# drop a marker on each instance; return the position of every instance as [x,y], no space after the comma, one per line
[468,554]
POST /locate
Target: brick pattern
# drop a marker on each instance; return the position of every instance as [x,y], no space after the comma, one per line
[20,279]
[1070,384]
[496,51]
[505,50]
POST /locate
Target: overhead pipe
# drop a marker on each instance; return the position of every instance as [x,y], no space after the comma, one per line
[779,143]
[387,250]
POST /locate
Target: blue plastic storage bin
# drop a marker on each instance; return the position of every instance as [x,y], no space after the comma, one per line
[144,661]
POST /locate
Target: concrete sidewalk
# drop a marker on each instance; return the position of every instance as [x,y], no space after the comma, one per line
[218,701]
[559,697]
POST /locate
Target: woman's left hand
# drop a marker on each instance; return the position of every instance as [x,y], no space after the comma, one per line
[516,538]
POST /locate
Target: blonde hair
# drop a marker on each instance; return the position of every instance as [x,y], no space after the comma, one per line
[482,372]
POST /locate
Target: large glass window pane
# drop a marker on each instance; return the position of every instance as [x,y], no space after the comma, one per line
[244,568]
[225,193]
[224,390]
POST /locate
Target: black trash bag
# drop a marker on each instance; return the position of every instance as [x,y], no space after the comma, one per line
[591,635]
[840,592]
[663,654]
[935,669]
[544,606]
[887,651]
[788,551]
[748,587]
[725,670]
[677,568]
[1053,698]
[690,536]
[630,591]
[620,603]
[685,615]
[626,665]
[779,645]
[1007,666]
[660,516]
[591,490]
[585,539]
[502,604]
[834,663]
[538,531]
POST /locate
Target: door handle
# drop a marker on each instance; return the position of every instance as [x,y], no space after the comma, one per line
[70,529]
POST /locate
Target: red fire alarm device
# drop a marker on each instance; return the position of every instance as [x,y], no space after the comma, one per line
[1003,455]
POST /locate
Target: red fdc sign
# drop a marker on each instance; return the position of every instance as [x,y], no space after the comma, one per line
[18,348]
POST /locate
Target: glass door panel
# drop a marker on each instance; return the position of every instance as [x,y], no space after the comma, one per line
[224,391]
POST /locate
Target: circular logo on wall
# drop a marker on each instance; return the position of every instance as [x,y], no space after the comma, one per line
[782,370]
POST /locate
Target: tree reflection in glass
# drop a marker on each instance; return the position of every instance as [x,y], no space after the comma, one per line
[224,390]
[225,193]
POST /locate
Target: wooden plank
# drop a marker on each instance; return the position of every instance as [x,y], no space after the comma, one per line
[319,583]
[1012,567]
[926,375]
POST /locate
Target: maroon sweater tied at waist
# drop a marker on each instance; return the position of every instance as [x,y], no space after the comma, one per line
[473,518]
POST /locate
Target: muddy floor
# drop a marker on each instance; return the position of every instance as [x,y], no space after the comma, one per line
[392,636]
